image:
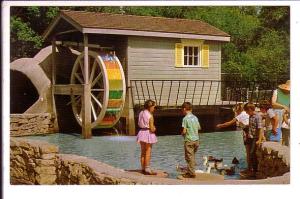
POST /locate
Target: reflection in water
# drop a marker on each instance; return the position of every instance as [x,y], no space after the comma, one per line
[123,151]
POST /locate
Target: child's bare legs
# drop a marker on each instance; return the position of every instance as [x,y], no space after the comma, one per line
[148,157]
[143,155]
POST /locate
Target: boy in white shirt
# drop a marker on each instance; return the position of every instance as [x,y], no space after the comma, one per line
[273,132]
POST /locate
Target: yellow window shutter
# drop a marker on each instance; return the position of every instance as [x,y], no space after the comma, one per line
[205,56]
[178,55]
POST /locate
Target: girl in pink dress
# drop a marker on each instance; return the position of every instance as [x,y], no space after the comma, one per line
[146,136]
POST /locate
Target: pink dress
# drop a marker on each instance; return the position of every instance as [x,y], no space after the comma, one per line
[144,134]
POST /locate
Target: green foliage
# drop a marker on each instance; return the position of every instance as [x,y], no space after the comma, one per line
[259,46]
[26,27]
[23,32]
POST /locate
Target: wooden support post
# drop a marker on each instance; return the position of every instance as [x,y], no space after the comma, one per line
[130,119]
[53,81]
[86,98]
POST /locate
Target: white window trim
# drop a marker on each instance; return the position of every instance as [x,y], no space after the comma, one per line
[199,56]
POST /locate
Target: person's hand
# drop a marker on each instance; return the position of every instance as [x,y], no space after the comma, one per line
[153,130]
[258,142]
[264,139]
[287,109]
[219,126]
[274,131]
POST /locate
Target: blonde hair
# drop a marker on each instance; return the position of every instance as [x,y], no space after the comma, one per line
[238,107]
[249,106]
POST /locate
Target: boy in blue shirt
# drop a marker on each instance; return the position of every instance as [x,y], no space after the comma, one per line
[190,128]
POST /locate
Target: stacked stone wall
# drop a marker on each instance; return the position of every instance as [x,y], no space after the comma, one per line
[273,160]
[37,162]
[31,124]
[32,162]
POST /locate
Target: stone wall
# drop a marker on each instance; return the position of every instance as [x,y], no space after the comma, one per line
[31,124]
[39,163]
[273,160]
[32,162]
[35,162]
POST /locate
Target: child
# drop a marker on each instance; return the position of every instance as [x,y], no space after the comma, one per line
[273,132]
[242,121]
[190,128]
[146,136]
[254,138]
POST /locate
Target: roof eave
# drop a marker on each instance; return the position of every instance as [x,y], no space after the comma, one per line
[55,22]
[155,34]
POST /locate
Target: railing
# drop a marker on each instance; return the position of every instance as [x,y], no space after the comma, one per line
[172,93]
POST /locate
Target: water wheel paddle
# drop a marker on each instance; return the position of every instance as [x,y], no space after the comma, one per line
[108,89]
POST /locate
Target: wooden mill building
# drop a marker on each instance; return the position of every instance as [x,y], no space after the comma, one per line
[166,59]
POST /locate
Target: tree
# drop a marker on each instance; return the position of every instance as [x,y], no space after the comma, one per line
[259,46]
[27,26]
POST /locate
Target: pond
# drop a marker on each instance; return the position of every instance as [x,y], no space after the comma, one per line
[123,151]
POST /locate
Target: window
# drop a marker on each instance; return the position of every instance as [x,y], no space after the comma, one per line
[191,55]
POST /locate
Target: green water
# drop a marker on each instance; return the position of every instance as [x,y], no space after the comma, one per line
[124,152]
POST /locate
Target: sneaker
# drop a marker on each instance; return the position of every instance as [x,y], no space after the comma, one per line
[148,171]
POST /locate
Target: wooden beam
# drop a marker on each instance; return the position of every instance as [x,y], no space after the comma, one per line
[86,102]
[79,44]
[66,32]
[53,80]
[68,89]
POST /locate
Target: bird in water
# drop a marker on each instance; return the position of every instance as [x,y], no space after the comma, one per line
[235,161]
[205,163]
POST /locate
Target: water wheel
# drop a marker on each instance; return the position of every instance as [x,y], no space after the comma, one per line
[108,89]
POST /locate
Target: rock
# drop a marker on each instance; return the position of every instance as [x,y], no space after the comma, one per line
[14,126]
[45,149]
[48,156]
[42,162]
[24,144]
[45,170]
[82,180]
[46,179]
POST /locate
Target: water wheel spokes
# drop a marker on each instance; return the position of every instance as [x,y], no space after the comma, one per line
[97,81]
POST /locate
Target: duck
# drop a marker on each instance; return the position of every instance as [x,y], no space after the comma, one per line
[215,163]
[227,171]
[205,163]
[235,161]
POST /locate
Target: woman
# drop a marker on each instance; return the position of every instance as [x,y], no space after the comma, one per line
[281,100]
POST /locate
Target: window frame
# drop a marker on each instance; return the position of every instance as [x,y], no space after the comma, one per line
[199,55]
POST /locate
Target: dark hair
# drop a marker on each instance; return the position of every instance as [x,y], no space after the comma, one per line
[249,106]
[265,104]
[149,103]
[187,105]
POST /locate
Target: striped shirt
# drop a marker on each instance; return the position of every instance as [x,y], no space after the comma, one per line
[255,123]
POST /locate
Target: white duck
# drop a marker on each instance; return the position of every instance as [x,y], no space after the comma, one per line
[205,163]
